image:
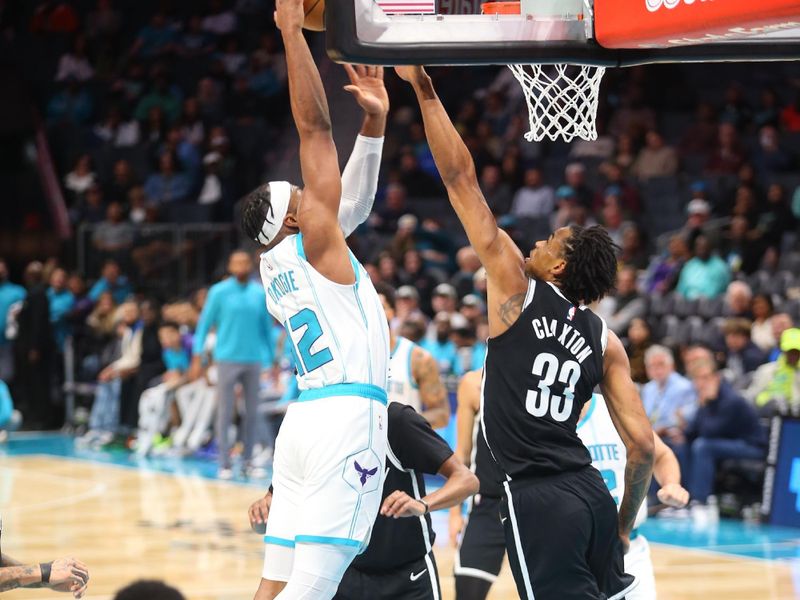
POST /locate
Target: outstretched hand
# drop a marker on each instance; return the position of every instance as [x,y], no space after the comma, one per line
[409,73]
[366,84]
[289,14]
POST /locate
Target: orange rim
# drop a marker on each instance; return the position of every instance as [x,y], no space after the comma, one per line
[501,8]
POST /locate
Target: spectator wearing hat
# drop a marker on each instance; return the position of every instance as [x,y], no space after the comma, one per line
[742,356]
[705,274]
[442,348]
[468,264]
[698,214]
[407,306]
[444,299]
[565,207]
[725,426]
[776,385]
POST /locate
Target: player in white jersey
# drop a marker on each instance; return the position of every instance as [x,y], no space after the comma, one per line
[330,451]
[597,431]
[413,372]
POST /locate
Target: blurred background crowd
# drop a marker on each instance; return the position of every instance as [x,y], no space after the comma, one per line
[151,122]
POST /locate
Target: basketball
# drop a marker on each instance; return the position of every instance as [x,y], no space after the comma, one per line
[315,15]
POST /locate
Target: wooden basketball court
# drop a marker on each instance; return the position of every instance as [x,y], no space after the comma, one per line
[128,523]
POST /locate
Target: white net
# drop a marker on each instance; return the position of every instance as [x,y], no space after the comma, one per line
[562,100]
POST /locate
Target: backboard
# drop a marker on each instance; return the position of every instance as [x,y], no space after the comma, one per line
[585,32]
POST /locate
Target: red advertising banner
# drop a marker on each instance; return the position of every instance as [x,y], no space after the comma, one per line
[667,23]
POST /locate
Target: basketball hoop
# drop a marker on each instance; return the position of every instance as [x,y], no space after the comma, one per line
[562,98]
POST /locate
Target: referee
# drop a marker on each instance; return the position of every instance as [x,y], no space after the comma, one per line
[480,552]
[399,561]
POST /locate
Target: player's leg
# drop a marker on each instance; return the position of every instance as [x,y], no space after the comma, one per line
[287,499]
[317,570]
[479,556]
[228,374]
[604,554]
[251,376]
[549,531]
[639,564]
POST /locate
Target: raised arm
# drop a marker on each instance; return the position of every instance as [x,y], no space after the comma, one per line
[432,392]
[498,253]
[360,175]
[317,214]
[630,420]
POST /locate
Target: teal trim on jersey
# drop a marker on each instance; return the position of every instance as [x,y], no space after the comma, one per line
[356,270]
[363,390]
[588,414]
[634,534]
[366,329]
[301,252]
[271,539]
[393,350]
[322,539]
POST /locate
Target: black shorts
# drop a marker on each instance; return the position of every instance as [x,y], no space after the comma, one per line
[418,580]
[562,539]
[483,543]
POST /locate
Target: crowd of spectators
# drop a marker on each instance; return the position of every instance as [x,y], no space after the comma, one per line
[182,110]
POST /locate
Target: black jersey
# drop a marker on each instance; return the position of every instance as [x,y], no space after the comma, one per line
[538,375]
[484,467]
[414,449]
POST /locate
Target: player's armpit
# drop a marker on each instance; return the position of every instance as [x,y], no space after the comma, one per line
[432,391]
[630,421]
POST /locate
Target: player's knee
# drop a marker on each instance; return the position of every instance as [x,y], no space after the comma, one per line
[305,586]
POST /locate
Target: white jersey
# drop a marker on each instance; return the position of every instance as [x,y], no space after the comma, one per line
[597,432]
[402,387]
[338,332]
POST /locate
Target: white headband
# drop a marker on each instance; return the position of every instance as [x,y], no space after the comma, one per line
[280,192]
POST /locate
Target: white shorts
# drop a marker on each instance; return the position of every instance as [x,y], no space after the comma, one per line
[638,564]
[328,470]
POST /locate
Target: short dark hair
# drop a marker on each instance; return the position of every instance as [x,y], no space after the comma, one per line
[591,269]
[170,325]
[387,291]
[255,207]
[148,590]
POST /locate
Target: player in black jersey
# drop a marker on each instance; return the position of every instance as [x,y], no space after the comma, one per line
[546,353]
[480,551]
[399,562]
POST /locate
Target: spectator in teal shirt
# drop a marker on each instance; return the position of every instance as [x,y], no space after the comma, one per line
[10,419]
[442,348]
[10,294]
[705,275]
[111,280]
[61,302]
[237,308]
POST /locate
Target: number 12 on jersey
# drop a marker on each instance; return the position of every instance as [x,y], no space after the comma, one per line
[305,360]
[550,371]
